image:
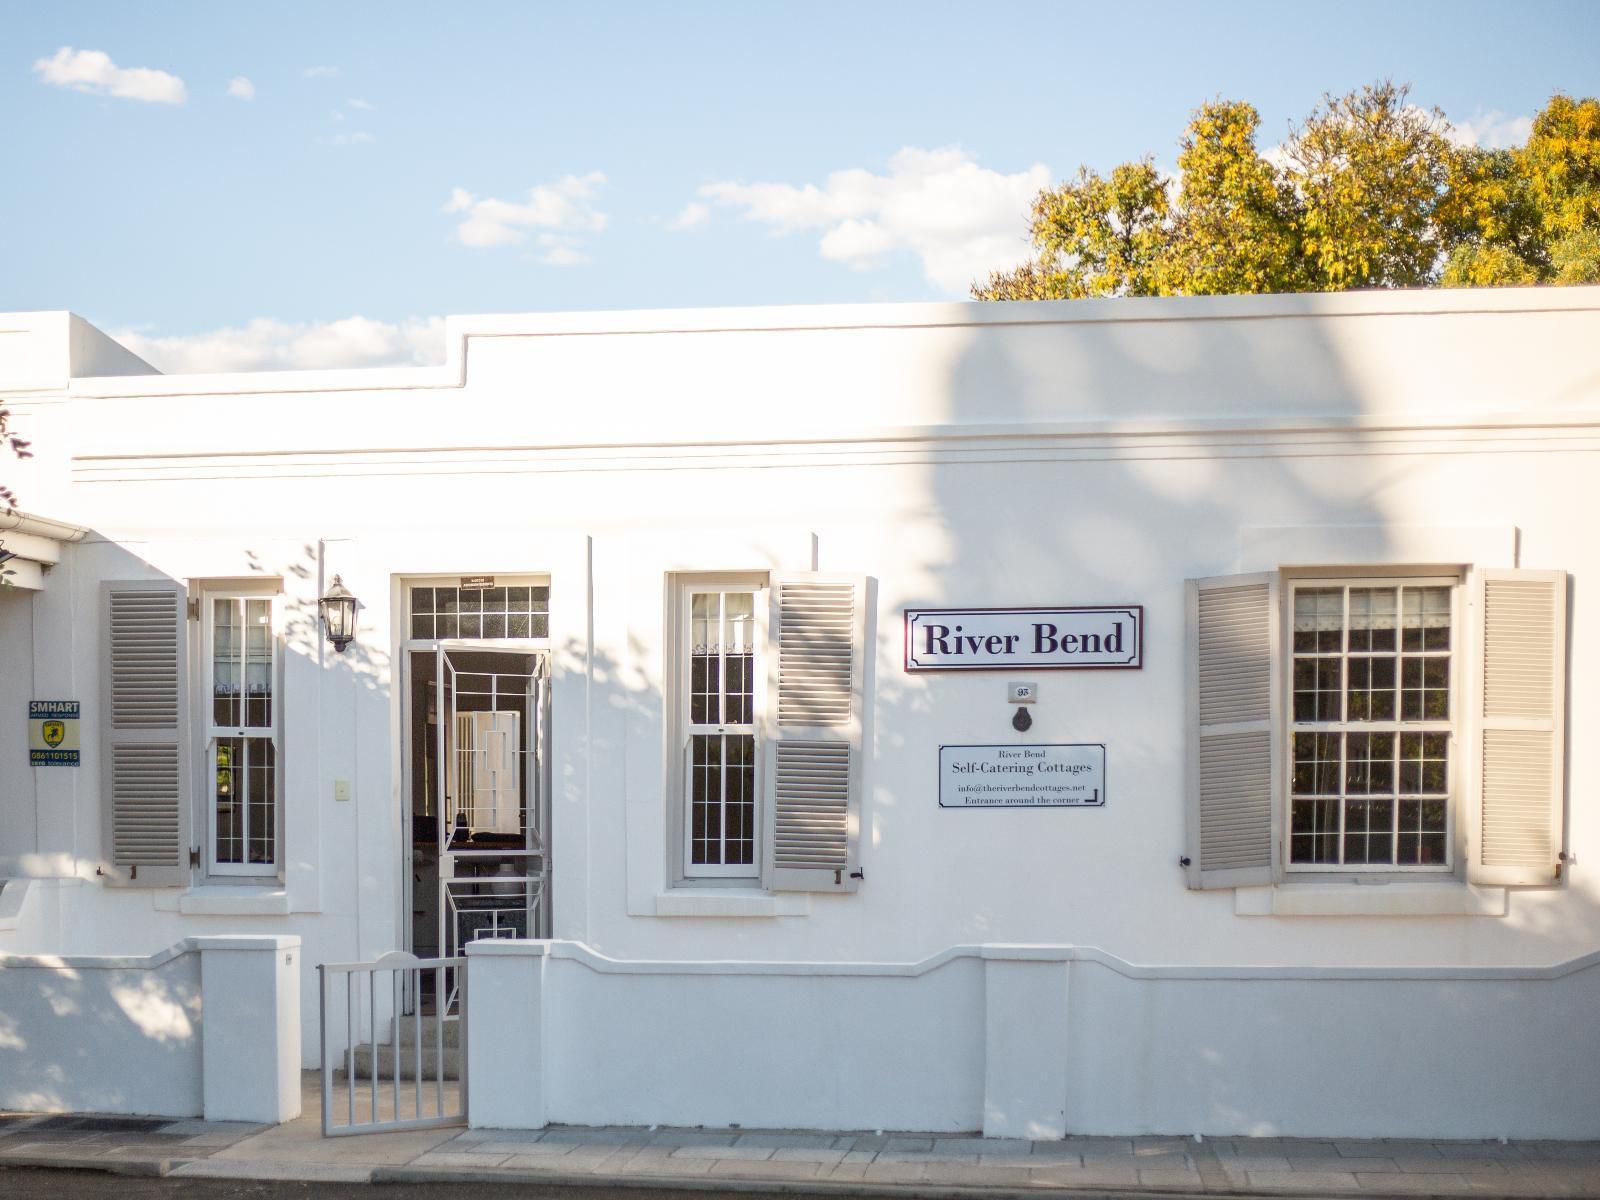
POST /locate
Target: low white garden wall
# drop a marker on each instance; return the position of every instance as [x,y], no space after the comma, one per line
[208,1027]
[1031,1042]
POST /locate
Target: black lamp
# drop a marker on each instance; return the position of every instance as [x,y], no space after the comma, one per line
[338,609]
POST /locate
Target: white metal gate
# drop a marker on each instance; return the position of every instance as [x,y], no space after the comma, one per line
[398,1081]
[478,829]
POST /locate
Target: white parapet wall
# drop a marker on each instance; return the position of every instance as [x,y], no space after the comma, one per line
[1031,1041]
[209,1027]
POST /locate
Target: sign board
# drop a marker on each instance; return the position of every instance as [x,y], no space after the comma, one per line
[1023,776]
[53,733]
[476,583]
[1005,639]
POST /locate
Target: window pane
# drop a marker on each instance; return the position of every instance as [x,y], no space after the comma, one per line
[705,795]
[1426,623]
[258,663]
[741,799]
[1314,831]
[228,794]
[226,667]
[738,643]
[1316,764]
[1318,619]
[1316,689]
[1372,619]
[1371,692]
[260,799]
[1369,831]
[1379,796]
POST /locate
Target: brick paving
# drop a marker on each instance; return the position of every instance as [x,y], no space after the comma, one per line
[842,1162]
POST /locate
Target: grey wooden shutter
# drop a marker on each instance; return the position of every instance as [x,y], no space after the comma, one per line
[815,662]
[1514,810]
[1235,741]
[145,757]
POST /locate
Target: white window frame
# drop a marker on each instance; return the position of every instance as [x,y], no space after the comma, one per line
[685,872]
[211,733]
[1455,726]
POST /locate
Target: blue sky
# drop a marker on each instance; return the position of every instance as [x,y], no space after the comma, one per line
[390,163]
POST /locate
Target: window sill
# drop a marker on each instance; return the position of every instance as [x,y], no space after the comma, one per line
[222,901]
[728,902]
[1398,899]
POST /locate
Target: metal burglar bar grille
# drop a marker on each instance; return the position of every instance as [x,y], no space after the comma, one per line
[812,805]
[1235,801]
[1235,656]
[1519,653]
[144,660]
[816,621]
[144,804]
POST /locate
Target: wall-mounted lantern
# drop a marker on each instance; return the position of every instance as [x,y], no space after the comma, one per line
[338,609]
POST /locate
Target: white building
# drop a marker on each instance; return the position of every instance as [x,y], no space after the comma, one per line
[637,671]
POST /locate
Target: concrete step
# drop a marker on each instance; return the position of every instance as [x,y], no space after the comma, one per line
[385,1059]
[408,1033]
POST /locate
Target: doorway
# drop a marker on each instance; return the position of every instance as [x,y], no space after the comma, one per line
[478,796]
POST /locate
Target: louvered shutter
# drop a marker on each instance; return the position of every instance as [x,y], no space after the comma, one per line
[1235,718]
[817,642]
[1514,816]
[145,758]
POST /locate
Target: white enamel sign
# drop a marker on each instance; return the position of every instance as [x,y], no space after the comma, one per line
[1004,639]
[1022,776]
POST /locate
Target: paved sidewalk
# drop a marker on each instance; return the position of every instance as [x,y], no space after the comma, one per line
[800,1162]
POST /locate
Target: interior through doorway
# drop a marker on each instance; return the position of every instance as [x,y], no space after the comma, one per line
[476,771]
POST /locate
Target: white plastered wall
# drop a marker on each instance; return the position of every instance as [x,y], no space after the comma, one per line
[959,455]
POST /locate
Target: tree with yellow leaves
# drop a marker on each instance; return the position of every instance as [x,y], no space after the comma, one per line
[1368,191]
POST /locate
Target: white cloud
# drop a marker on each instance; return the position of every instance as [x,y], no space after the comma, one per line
[1491,130]
[268,345]
[93,71]
[695,214]
[321,72]
[564,207]
[359,138]
[960,219]
[361,104]
[241,88]
[561,250]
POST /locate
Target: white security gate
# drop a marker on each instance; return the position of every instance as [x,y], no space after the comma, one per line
[492,730]
[412,1077]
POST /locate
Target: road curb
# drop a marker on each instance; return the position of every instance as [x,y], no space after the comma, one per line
[143,1168]
[885,1188]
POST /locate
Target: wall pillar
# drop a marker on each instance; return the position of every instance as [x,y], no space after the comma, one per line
[250,1028]
[1025,1041]
[505,1024]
